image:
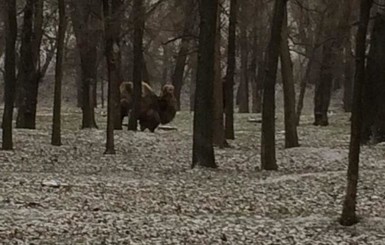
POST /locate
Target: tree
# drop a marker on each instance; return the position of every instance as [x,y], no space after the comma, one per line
[29,72]
[218,123]
[189,20]
[291,136]
[229,83]
[327,74]
[203,151]
[348,216]
[374,89]
[348,64]
[243,89]
[112,57]
[138,11]
[268,159]
[56,124]
[10,73]
[86,18]
[114,27]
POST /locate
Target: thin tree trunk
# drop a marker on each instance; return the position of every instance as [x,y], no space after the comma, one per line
[138,11]
[177,77]
[255,83]
[348,216]
[244,49]
[291,136]
[268,159]
[218,123]
[56,121]
[115,28]
[112,57]
[229,84]
[10,73]
[203,150]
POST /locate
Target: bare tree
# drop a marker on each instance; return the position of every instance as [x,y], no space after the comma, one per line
[291,136]
[56,120]
[327,74]
[268,159]
[243,89]
[189,20]
[218,123]
[29,72]
[348,216]
[138,11]
[87,18]
[112,53]
[203,151]
[374,88]
[229,83]
[10,73]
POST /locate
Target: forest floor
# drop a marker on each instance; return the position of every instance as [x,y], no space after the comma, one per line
[147,193]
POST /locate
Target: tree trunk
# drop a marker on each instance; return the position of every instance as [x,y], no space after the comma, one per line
[115,29]
[229,84]
[112,52]
[327,74]
[218,123]
[138,11]
[312,65]
[374,89]
[10,72]
[177,77]
[203,150]
[29,74]
[348,216]
[255,83]
[87,28]
[193,63]
[268,159]
[323,88]
[244,49]
[291,136]
[348,78]
[56,121]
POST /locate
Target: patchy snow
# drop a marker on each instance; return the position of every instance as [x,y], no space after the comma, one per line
[147,193]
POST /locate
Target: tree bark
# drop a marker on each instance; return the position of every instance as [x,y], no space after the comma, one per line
[327,74]
[244,49]
[374,89]
[56,120]
[268,159]
[10,72]
[348,77]
[218,123]
[177,77]
[230,72]
[29,70]
[138,11]
[114,27]
[348,216]
[203,150]
[255,82]
[112,52]
[193,64]
[291,136]
[87,28]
